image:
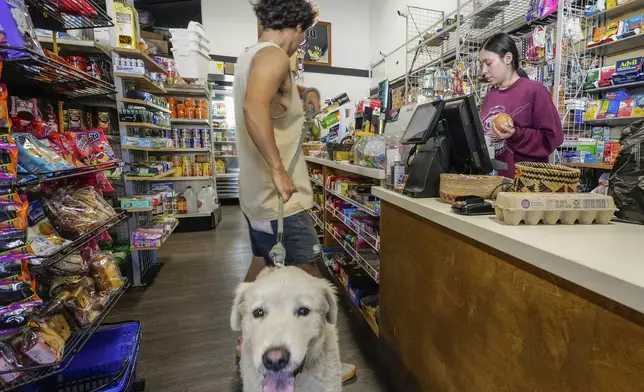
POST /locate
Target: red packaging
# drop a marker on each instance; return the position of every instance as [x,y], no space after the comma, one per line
[64,148]
[81,146]
[102,150]
[625,108]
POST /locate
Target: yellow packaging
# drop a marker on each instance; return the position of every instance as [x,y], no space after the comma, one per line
[125,26]
[178,171]
[220,166]
[591,110]
[206,169]
[603,109]
[611,4]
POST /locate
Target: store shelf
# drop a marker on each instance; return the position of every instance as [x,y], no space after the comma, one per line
[167,179]
[152,178]
[142,125]
[72,347]
[137,249]
[143,82]
[228,175]
[370,239]
[618,46]
[316,205]
[614,121]
[226,156]
[316,181]
[58,175]
[616,87]
[137,210]
[79,243]
[599,166]
[133,148]
[149,105]
[355,311]
[353,202]
[196,91]
[195,215]
[633,5]
[224,129]
[68,46]
[355,255]
[378,174]
[35,75]
[316,220]
[225,142]
[87,15]
[226,196]
[189,121]
[150,65]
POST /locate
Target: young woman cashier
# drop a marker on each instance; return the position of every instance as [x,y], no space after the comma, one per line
[534,130]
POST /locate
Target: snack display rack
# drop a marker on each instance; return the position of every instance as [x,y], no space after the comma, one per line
[346,235]
[224,137]
[46,166]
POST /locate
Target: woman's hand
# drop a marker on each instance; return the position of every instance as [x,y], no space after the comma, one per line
[507,131]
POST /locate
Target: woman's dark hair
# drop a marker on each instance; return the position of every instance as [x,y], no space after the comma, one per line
[501,44]
[284,14]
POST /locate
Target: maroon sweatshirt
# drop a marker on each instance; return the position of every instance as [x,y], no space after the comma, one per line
[538,127]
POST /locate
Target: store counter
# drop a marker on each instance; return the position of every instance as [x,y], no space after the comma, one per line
[472,304]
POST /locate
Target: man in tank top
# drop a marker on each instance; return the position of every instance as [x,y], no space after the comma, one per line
[269,118]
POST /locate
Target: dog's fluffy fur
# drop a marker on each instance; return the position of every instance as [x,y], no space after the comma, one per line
[311,340]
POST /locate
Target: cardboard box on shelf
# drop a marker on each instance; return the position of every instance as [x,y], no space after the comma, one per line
[158,46]
[146,35]
[229,68]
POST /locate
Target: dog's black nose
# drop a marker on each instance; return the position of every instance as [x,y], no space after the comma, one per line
[276,359]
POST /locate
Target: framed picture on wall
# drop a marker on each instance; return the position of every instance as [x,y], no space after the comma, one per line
[318,48]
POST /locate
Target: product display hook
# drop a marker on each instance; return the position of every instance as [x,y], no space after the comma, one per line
[278,252]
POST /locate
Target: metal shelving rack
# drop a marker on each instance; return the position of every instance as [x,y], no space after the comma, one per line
[224,136]
[181,183]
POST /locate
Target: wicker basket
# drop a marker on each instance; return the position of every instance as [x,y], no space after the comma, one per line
[455,185]
[545,177]
[311,146]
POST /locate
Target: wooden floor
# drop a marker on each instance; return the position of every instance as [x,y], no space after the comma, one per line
[187,342]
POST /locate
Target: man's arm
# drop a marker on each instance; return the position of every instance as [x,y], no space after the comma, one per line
[268,71]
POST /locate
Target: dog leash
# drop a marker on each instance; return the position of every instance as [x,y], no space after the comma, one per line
[278,252]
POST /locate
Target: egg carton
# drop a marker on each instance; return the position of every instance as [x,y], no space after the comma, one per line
[552,208]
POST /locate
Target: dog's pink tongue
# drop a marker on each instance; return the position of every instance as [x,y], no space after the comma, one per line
[278,382]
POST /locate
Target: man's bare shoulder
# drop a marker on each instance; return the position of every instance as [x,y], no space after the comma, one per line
[271,58]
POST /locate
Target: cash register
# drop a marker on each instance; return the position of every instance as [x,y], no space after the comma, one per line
[448,138]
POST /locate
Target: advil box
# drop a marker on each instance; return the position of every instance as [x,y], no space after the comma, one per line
[628,70]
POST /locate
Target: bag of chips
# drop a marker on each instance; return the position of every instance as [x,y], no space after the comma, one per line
[36,158]
[5,119]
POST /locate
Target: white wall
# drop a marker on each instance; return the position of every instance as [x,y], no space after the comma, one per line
[388,31]
[231,25]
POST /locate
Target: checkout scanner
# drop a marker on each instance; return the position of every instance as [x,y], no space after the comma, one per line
[448,138]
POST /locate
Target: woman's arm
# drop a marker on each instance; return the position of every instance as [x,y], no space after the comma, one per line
[546,133]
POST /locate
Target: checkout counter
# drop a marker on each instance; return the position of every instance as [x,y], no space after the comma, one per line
[470,304]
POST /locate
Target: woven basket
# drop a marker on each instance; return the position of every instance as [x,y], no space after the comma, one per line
[455,185]
[308,147]
[335,147]
[545,177]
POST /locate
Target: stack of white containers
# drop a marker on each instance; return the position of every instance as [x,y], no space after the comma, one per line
[190,48]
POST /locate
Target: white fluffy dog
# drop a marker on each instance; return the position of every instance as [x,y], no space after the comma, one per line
[287,319]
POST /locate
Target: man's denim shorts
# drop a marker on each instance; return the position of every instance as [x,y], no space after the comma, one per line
[300,240]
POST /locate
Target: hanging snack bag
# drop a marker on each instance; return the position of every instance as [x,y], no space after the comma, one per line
[64,148]
[41,344]
[106,273]
[13,215]
[8,158]
[12,238]
[13,294]
[18,30]
[14,271]
[5,119]
[75,120]
[104,121]
[9,361]
[36,158]
[81,146]
[101,147]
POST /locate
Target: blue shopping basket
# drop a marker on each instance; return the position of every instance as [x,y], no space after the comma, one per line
[107,363]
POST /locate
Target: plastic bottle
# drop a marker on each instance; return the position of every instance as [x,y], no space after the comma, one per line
[182,204]
[175,205]
[205,200]
[213,195]
[191,200]
[398,170]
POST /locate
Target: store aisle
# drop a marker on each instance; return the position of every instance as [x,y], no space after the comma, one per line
[187,342]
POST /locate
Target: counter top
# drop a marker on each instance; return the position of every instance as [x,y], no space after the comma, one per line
[378,174]
[606,259]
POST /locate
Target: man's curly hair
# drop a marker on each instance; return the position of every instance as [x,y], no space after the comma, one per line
[284,14]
